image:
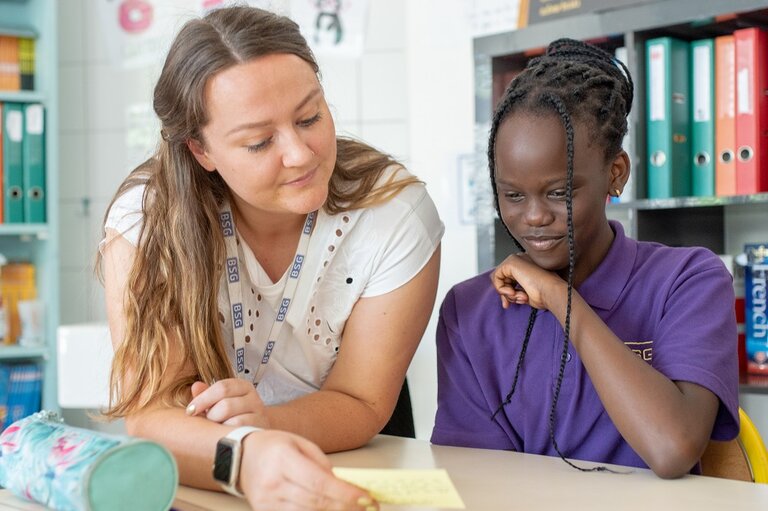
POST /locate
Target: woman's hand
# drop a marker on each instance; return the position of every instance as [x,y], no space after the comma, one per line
[280,470]
[518,280]
[233,402]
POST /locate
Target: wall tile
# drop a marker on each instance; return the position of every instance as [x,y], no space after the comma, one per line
[386,28]
[73,223]
[110,91]
[71,31]
[72,104]
[341,82]
[96,47]
[391,137]
[97,307]
[349,129]
[384,90]
[73,305]
[107,165]
[73,174]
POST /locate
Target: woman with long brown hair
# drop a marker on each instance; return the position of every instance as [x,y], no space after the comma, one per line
[262,272]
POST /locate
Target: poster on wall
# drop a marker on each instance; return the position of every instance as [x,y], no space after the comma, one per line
[545,10]
[494,16]
[138,33]
[332,27]
[470,188]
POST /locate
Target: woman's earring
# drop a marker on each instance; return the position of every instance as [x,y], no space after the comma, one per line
[617,191]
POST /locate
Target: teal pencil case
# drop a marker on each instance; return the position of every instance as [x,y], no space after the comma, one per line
[68,468]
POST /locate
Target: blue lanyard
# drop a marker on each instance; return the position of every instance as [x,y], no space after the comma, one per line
[234,286]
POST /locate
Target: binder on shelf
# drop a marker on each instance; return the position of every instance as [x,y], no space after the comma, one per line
[668,127]
[2,195]
[702,118]
[33,163]
[15,407]
[751,110]
[24,396]
[755,276]
[725,118]
[26,63]
[31,389]
[5,390]
[10,75]
[13,174]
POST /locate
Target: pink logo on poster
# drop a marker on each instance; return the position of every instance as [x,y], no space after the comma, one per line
[135,15]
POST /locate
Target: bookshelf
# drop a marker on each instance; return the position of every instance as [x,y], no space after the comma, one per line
[722,224]
[38,243]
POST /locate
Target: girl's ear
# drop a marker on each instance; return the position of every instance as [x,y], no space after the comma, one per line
[196,148]
[618,173]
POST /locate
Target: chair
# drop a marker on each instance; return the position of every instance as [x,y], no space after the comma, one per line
[401,423]
[744,458]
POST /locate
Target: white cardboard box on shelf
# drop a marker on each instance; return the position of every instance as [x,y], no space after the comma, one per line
[84,357]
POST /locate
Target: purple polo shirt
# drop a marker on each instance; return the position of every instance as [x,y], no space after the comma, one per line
[672,306]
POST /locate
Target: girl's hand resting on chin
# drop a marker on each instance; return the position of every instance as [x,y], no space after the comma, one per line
[519,280]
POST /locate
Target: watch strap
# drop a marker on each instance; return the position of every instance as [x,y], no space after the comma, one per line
[236,436]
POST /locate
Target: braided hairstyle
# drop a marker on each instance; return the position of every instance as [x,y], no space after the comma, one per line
[577,82]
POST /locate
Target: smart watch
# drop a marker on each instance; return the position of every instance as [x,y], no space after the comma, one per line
[226,464]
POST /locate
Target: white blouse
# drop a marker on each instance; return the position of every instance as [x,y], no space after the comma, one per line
[361,253]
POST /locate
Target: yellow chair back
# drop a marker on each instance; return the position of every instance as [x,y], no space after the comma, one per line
[744,458]
[754,448]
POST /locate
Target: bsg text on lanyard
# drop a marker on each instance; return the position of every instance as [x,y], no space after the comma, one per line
[234,286]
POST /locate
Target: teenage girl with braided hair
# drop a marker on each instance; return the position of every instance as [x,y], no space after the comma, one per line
[604,348]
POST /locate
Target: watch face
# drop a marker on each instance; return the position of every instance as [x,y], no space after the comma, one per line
[222,466]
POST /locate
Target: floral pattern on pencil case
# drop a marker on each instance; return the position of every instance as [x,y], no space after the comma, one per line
[44,460]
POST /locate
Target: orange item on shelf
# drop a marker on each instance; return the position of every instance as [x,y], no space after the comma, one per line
[17,282]
[751,111]
[10,72]
[725,115]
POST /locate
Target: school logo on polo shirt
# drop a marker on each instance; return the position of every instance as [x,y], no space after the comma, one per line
[643,349]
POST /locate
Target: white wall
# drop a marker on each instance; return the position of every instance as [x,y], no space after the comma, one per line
[441,96]
[411,94]
[95,98]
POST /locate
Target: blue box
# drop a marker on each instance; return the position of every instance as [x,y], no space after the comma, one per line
[755,318]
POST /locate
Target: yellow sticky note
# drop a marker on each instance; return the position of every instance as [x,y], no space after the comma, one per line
[429,488]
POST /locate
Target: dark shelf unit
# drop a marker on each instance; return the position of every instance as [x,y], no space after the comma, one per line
[722,224]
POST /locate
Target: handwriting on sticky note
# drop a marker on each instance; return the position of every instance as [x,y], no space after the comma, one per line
[430,487]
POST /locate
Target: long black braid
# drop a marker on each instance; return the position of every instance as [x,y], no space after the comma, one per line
[576,81]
